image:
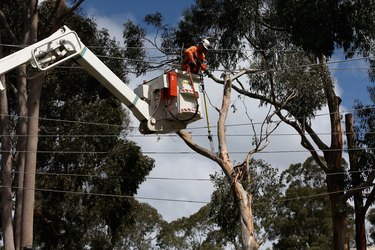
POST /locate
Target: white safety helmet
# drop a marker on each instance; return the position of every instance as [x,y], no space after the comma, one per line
[205,43]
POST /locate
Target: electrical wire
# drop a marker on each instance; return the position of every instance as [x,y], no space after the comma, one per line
[106,195]
[105,178]
[186,201]
[174,135]
[177,48]
[259,72]
[112,177]
[163,135]
[188,152]
[200,127]
[312,195]
[288,68]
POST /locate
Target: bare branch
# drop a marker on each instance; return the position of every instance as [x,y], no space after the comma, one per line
[315,137]
[305,142]
[223,115]
[188,139]
[243,72]
[210,75]
[255,96]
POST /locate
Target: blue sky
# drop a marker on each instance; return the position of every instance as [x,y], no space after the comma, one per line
[352,77]
[137,9]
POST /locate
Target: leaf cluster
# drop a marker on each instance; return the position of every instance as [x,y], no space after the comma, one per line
[302,218]
[365,136]
[197,231]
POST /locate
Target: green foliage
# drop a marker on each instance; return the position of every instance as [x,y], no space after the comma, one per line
[327,22]
[302,223]
[289,209]
[365,128]
[134,38]
[141,233]
[279,36]
[243,33]
[322,26]
[195,232]
[225,22]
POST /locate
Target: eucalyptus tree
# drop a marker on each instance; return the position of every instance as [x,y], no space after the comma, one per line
[197,231]
[302,218]
[20,26]
[265,188]
[272,29]
[291,43]
[236,174]
[290,208]
[215,225]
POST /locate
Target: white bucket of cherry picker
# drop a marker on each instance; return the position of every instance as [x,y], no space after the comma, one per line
[174,95]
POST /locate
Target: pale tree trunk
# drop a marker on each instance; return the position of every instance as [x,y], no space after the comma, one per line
[30,168]
[240,195]
[21,152]
[244,201]
[7,202]
[6,171]
[22,132]
[33,104]
[22,139]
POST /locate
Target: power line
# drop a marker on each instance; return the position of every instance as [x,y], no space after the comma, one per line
[114,177]
[201,127]
[178,48]
[106,195]
[173,135]
[185,201]
[260,71]
[300,66]
[188,152]
[313,195]
[104,178]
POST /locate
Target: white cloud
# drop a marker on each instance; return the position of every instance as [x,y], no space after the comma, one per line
[113,23]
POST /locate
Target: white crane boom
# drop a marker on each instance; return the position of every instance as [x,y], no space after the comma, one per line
[164,104]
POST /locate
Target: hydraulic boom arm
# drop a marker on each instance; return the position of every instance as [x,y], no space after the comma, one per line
[162,105]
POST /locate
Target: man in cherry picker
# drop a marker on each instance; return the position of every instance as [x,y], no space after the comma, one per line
[195,57]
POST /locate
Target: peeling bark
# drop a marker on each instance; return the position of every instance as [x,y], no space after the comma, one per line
[6,172]
[241,196]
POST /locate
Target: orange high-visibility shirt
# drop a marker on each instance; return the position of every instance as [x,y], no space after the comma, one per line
[192,54]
